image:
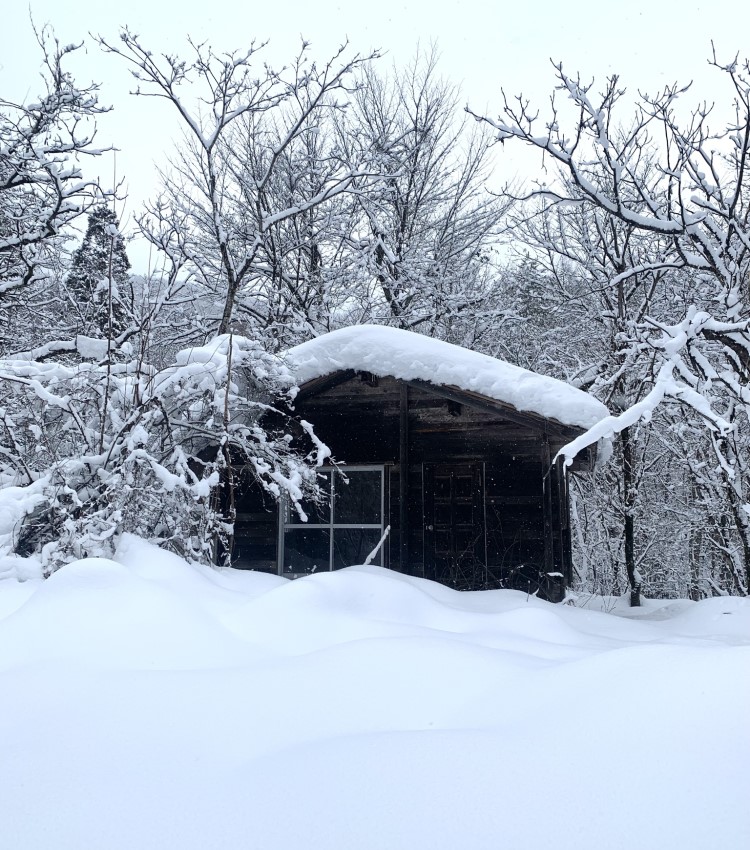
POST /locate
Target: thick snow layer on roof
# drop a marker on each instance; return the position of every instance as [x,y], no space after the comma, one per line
[409,356]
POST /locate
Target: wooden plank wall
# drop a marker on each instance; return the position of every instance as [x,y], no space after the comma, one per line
[415,519]
[359,420]
[515,518]
[255,529]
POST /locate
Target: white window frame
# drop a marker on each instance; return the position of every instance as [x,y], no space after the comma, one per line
[285,514]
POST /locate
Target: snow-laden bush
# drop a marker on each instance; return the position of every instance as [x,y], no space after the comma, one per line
[106,448]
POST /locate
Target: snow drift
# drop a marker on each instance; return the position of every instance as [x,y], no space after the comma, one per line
[155,704]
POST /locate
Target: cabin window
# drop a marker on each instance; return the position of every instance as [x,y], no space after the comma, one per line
[341,530]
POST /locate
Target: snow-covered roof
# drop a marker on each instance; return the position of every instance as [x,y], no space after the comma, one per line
[390,352]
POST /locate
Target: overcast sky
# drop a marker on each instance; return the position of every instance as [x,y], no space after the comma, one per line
[483,46]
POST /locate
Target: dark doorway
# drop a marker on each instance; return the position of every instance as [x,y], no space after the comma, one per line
[454,532]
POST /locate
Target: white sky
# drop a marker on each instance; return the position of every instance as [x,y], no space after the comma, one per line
[483,46]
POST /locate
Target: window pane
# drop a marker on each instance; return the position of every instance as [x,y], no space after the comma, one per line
[307,550]
[317,513]
[352,546]
[359,500]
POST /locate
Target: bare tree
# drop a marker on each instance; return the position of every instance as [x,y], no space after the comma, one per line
[428,226]
[42,189]
[690,210]
[241,122]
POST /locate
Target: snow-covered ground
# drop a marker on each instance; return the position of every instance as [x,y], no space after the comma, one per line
[146,703]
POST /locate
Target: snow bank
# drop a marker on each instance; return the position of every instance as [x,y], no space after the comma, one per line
[150,703]
[409,356]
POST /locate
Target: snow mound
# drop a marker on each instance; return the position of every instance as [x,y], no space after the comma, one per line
[157,704]
[360,603]
[391,352]
[725,616]
[96,611]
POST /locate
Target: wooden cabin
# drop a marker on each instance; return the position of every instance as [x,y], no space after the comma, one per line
[450,450]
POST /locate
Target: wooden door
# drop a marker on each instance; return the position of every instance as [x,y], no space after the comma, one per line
[454,533]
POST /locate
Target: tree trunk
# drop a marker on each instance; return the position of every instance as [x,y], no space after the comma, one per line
[629,528]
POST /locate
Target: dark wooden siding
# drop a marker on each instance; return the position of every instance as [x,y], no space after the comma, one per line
[515,517]
[521,516]
[255,529]
[415,520]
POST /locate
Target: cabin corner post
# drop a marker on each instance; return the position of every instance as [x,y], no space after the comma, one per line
[403,478]
[557,567]
[566,543]
[547,483]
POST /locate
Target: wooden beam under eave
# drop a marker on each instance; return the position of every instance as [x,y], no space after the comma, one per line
[531,421]
[327,382]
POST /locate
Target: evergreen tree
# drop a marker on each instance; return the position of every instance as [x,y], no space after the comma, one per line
[99,277]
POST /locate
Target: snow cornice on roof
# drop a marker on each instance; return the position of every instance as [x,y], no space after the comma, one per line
[391,352]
